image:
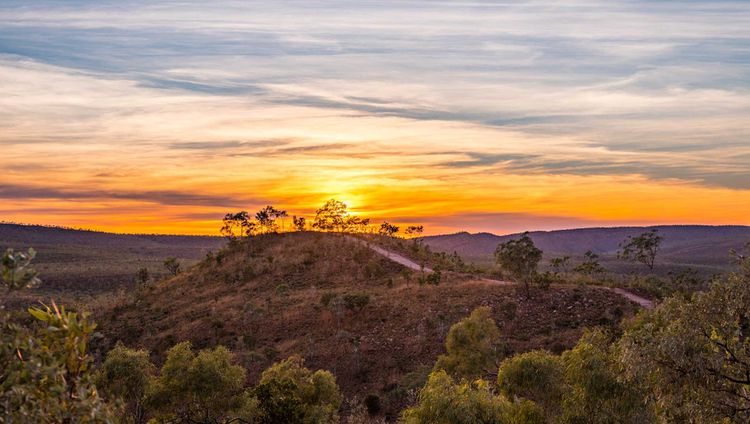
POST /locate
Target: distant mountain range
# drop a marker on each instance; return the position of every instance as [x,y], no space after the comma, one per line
[92,261]
[701,246]
[99,261]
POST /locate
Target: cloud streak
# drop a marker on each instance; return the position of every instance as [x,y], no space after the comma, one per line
[295,102]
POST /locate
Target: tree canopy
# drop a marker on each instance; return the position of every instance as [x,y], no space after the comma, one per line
[472,345]
[520,258]
[642,248]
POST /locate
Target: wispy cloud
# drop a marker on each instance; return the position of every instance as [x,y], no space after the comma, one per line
[293,102]
[162,197]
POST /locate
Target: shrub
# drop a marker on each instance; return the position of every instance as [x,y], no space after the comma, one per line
[206,385]
[472,346]
[356,301]
[46,371]
[327,297]
[125,375]
[282,290]
[172,265]
[596,392]
[373,269]
[442,400]
[290,393]
[537,375]
[433,278]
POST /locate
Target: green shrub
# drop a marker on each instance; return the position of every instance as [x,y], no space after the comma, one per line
[442,400]
[327,297]
[125,375]
[46,371]
[472,345]
[537,375]
[356,301]
[290,393]
[373,269]
[207,385]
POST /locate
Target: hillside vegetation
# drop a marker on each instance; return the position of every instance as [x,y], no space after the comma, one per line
[343,308]
[80,261]
[698,246]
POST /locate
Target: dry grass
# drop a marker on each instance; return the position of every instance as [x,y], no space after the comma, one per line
[262,299]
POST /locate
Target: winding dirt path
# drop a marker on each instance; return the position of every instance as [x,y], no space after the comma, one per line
[403,260]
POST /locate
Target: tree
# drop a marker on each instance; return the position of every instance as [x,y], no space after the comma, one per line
[388,230]
[331,217]
[642,248]
[125,375]
[45,372]
[203,388]
[443,401]
[236,225]
[17,272]
[520,258]
[596,393]
[290,393]
[356,224]
[266,219]
[142,277]
[172,265]
[414,230]
[560,265]
[299,223]
[472,346]
[590,264]
[693,354]
[538,376]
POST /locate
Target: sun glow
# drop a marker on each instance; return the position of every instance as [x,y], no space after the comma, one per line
[491,137]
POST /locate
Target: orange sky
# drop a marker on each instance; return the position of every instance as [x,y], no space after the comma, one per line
[503,119]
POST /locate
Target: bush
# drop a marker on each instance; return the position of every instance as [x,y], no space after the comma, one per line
[536,375]
[125,375]
[282,290]
[373,269]
[442,400]
[45,372]
[326,298]
[290,393]
[472,346]
[206,385]
[356,301]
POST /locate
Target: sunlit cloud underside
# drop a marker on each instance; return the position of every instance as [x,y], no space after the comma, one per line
[485,116]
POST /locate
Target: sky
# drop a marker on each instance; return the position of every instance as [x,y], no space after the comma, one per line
[497,116]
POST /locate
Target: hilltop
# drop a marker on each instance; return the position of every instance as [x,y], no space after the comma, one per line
[275,295]
[700,246]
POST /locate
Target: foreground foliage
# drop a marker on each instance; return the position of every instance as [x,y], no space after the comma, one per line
[688,360]
[443,401]
[693,354]
[472,346]
[45,371]
[290,393]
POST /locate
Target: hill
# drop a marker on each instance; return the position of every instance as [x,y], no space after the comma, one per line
[302,293]
[703,247]
[81,261]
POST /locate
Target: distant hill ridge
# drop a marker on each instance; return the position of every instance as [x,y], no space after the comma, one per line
[686,244]
[35,233]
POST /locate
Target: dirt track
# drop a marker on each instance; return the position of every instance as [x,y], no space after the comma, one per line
[400,259]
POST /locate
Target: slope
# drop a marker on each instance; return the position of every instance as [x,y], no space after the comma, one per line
[705,247]
[265,299]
